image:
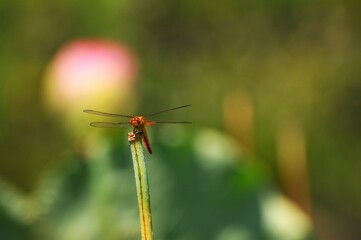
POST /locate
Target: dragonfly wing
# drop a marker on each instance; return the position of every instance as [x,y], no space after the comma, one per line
[167,110]
[106,114]
[171,122]
[108,124]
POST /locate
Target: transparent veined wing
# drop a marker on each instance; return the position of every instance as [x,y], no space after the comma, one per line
[109,124]
[106,114]
[170,109]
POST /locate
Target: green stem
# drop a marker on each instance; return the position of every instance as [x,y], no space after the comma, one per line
[141,180]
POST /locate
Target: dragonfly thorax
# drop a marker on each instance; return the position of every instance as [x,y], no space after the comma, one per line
[137,122]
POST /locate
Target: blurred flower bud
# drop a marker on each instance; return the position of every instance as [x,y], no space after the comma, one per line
[95,74]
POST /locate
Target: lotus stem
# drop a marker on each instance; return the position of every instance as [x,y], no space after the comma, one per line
[141,180]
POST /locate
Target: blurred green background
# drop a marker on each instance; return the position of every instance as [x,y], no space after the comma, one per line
[274,151]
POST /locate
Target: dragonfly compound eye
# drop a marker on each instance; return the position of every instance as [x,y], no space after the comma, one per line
[135,122]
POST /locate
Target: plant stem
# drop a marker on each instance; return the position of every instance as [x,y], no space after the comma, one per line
[141,180]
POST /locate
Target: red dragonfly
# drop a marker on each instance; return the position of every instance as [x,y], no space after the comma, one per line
[138,122]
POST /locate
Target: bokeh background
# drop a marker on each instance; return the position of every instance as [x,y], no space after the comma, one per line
[274,151]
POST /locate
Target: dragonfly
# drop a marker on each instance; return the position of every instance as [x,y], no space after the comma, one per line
[138,122]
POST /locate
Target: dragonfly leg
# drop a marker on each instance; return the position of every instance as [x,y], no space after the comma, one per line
[137,132]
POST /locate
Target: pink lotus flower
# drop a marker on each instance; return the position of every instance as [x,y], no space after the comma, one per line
[88,73]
